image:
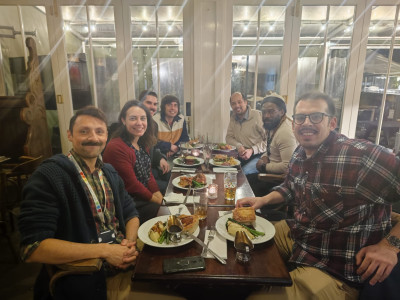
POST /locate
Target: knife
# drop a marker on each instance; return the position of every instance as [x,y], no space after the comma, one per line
[187,194]
[200,242]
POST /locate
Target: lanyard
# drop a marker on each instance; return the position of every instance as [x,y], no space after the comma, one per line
[95,199]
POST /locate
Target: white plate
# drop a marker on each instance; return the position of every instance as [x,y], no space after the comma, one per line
[224,166]
[195,146]
[175,182]
[262,225]
[176,162]
[144,229]
[216,148]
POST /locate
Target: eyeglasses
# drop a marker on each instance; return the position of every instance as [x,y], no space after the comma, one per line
[315,118]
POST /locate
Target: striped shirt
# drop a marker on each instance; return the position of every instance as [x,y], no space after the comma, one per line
[342,197]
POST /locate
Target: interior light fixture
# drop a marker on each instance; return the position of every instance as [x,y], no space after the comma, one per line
[271,27]
[144,28]
[67,27]
[85,29]
[323,27]
[372,28]
[169,27]
[93,28]
[245,27]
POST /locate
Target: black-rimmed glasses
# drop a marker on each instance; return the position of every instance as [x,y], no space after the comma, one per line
[315,118]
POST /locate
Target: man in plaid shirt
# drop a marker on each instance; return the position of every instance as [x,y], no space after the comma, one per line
[342,190]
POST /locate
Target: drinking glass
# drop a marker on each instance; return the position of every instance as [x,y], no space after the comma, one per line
[207,151]
[184,147]
[230,183]
[174,228]
[200,203]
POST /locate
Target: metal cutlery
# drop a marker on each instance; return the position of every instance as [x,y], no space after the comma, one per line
[187,194]
[200,242]
[210,237]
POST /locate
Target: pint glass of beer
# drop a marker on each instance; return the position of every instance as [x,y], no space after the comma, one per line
[230,183]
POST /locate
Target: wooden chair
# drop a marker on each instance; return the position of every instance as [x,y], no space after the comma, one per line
[274,180]
[12,180]
[86,266]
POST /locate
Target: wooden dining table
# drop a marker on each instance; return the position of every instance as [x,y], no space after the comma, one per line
[265,268]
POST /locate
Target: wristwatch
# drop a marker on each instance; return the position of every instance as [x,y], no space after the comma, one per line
[393,240]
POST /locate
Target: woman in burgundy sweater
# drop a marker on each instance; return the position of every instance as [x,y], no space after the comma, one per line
[128,152]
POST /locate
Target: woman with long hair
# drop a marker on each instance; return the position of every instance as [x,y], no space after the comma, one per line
[128,152]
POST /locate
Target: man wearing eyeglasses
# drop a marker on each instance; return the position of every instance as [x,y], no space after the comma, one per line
[341,235]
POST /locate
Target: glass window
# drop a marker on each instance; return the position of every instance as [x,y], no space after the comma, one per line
[92,59]
[379,82]
[158,64]
[325,40]
[246,49]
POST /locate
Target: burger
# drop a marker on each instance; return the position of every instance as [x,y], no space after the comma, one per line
[189,222]
[190,160]
[244,215]
[220,158]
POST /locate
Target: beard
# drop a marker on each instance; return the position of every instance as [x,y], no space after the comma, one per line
[272,124]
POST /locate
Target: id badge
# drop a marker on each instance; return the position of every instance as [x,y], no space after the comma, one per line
[107,237]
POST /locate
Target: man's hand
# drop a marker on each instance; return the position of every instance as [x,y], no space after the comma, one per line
[247,154]
[164,166]
[241,150]
[131,254]
[121,256]
[174,148]
[379,259]
[261,164]
[250,201]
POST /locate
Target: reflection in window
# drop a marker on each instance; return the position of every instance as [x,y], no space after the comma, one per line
[158,50]
[92,59]
[325,39]
[247,76]
[379,82]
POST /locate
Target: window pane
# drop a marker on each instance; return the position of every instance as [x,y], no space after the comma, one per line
[325,39]
[102,28]
[244,49]
[144,49]
[374,80]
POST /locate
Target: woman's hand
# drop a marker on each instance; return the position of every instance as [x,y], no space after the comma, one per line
[157,197]
[164,166]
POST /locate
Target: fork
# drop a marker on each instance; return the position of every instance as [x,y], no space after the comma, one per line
[211,235]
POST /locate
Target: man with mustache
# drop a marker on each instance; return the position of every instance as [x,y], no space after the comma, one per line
[280,142]
[75,207]
[246,133]
[342,190]
[159,165]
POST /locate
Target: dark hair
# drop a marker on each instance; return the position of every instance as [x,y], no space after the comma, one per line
[230,98]
[92,111]
[167,100]
[146,93]
[313,96]
[148,139]
[275,100]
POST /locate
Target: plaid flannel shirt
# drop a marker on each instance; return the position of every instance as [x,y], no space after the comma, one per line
[343,196]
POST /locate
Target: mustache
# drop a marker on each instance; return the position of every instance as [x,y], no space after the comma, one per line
[92,144]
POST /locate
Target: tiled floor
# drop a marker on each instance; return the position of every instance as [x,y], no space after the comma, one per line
[16,279]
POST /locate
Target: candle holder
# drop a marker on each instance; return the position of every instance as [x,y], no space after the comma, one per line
[213,191]
[195,152]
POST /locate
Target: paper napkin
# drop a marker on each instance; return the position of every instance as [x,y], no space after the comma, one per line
[218,245]
[177,198]
[183,170]
[224,170]
[175,210]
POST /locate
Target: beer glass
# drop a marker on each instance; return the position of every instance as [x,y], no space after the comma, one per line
[230,183]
